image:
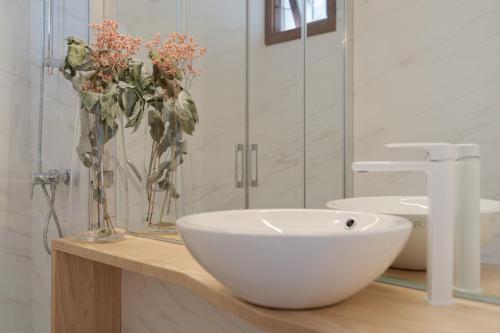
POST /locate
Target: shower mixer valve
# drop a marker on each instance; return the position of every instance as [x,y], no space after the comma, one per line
[52,177]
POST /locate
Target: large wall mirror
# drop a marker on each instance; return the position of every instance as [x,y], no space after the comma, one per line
[292,92]
[420,78]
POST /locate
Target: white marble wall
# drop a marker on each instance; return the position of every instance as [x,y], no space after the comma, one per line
[15,168]
[150,305]
[324,111]
[425,71]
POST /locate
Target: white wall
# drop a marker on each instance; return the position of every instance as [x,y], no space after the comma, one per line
[15,167]
[426,71]
[152,306]
[324,111]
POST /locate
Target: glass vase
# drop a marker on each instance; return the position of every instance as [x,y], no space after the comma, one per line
[100,198]
[163,198]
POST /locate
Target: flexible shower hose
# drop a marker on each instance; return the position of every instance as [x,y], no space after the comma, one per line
[51,199]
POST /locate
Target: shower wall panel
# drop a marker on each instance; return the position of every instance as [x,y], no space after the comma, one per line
[60,104]
[16,148]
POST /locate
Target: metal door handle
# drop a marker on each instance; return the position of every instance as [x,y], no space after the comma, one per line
[254,158]
[50,37]
[238,165]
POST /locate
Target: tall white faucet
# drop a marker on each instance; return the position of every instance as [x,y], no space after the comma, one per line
[440,187]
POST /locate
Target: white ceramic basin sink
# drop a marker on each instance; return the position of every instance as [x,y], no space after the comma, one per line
[294,259]
[415,209]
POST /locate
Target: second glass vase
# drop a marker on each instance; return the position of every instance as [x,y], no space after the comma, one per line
[163,189]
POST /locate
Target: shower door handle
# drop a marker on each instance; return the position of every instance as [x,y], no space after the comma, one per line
[239,167]
[254,165]
[50,38]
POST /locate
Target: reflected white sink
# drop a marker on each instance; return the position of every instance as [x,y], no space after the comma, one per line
[291,258]
[414,209]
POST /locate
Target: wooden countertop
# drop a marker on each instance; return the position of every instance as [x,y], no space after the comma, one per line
[490,278]
[378,308]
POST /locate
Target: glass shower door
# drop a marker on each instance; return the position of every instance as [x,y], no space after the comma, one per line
[325,104]
[275,106]
[295,103]
[213,169]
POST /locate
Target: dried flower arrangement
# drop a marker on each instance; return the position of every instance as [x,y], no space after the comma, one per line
[172,114]
[112,83]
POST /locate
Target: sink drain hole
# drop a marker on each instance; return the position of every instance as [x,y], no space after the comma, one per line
[350,224]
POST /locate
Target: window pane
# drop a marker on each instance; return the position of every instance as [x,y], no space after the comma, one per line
[315,10]
[288,13]
[286,21]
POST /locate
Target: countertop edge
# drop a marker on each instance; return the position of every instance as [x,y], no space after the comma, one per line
[337,318]
[221,298]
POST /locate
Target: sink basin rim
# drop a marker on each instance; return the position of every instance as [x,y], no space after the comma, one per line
[392,223]
[488,206]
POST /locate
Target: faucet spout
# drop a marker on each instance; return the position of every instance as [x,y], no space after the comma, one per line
[386,166]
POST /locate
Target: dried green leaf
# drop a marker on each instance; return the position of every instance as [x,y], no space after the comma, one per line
[89,100]
[129,99]
[78,53]
[159,172]
[84,148]
[185,111]
[136,117]
[164,184]
[125,85]
[109,131]
[156,125]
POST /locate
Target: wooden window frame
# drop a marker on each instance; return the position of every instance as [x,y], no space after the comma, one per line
[272,20]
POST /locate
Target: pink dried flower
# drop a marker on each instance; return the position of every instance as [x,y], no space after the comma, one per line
[110,53]
[175,56]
